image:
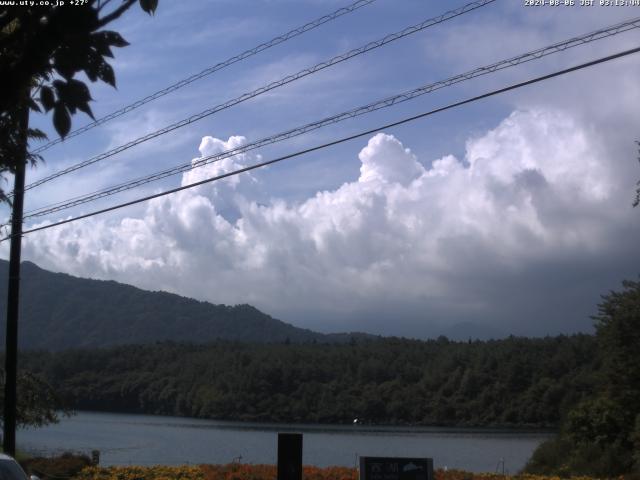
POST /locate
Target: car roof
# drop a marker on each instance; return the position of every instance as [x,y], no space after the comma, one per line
[4,456]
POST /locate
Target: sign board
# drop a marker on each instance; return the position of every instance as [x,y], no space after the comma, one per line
[289,456]
[396,468]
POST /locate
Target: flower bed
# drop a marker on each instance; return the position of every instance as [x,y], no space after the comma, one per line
[236,471]
[141,473]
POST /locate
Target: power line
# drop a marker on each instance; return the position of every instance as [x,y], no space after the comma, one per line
[283,81]
[212,69]
[341,140]
[374,106]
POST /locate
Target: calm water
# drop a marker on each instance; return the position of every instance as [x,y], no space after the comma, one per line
[149,440]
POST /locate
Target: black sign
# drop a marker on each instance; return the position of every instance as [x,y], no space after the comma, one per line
[289,456]
[396,468]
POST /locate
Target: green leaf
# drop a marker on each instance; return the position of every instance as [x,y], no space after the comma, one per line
[105,73]
[114,39]
[47,98]
[149,6]
[80,96]
[84,107]
[33,158]
[60,87]
[66,61]
[61,119]
[64,95]
[75,95]
[92,67]
[33,105]
[36,133]
[78,91]
[101,44]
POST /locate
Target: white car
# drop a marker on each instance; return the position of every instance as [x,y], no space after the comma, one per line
[11,470]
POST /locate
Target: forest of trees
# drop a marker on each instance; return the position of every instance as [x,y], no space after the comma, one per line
[600,435]
[586,387]
[511,382]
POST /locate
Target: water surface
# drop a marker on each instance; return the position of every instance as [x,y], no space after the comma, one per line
[124,439]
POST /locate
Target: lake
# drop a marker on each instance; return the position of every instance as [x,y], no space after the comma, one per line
[149,440]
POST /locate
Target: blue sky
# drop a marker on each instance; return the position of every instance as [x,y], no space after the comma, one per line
[512,214]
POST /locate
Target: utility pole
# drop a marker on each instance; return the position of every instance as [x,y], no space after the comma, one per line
[11,348]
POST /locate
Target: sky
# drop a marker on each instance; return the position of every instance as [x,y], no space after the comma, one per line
[509,215]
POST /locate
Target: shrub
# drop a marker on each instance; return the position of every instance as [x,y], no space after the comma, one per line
[66,465]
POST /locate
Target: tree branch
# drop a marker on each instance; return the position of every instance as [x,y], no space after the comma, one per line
[102,4]
[116,13]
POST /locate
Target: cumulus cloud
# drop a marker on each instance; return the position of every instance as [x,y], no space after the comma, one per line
[522,234]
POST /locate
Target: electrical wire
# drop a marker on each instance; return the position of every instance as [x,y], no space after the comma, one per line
[374,106]
[212,69]
[339,141]
[283,81]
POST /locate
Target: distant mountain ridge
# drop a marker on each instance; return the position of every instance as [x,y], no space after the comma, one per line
[60,311]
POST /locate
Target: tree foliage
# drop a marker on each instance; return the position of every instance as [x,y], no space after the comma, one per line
[42,49]
[511,382]
[601,435]
[618,332]
[38,404]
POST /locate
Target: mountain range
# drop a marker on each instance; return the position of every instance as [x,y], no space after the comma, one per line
[60,311]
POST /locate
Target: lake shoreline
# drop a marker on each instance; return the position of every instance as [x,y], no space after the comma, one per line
[399,427]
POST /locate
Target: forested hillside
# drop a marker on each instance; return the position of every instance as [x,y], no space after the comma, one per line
[59,311]
[600,436]
[509,382]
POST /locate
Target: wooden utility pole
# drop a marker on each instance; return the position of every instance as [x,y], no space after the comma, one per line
[11,349]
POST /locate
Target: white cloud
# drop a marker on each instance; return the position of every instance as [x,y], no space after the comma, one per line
[424,245]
